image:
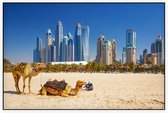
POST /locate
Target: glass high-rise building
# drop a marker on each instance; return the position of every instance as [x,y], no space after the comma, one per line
[49,41]
[58,40]
[130,46]
[70,48]
[124,55]
[37,52]
[78,44]
[159,49]
[65,49]
[130,39]
[53,53]
[144,55]
[153,47]
[107,52]
[85,40]
[100,41]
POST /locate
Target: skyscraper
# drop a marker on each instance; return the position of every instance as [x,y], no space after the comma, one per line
[124,55]
[85,40]
[107,52]
[130,46]
[70,48]
[58,40]
[43,54]
[49,41]
[37,52]
[159,49]
[65,49]
[100,41]
[113,43]
[78,44]
[153,47]
[53,53]
[144,55]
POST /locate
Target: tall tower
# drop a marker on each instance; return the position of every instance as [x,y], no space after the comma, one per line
[78,44]
[113,43]
[100,41]
[49,41]
[153,47]
[124,55]
[38,49]
[144,55]
[107,52]
[37,56]
[65,49]
[70,48]
[58,40]
[159,49]
[85,38]
[130,46]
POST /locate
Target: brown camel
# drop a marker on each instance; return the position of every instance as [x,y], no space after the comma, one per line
[68,90]
[26,71]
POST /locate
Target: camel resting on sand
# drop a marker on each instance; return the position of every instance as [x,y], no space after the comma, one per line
[26,71]
[66,92]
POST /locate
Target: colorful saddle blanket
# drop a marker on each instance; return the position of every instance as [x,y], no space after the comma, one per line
[58,85]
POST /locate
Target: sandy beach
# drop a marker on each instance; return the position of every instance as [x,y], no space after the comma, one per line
[111,91]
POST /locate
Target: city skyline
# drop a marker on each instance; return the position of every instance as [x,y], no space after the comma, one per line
[112,21]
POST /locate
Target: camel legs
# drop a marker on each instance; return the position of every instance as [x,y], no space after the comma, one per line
[16,79]
[29,85]
[23,85]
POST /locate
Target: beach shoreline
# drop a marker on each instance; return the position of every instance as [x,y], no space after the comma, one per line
[111,91]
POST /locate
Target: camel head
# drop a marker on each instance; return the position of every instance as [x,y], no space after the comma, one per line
[39,67]
[80,83]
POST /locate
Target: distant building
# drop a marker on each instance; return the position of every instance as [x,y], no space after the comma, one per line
[130,46]
[70,48]
[144,55]
[113,43]
[65,49]
[58,40]
[151,59]
[153,48]
[37,52]
[124,55]
[107,53]
[131,55]
[100,41]
[85,40]
[78,44]
[159,49]
[43,54]
[49,41]
[53,53]
[140,59]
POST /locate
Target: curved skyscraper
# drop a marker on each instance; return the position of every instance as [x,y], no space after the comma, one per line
[49,41]
[85,38]
[58,40]
[65,49]
[78,44]
[70,48]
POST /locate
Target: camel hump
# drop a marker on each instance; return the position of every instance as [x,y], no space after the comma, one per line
[21,66]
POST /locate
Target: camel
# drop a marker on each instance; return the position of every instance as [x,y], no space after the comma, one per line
[66,92]
[26,71]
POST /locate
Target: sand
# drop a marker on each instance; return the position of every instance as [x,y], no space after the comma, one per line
[111,91]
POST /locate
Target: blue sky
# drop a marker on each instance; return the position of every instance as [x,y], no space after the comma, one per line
[23,23]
